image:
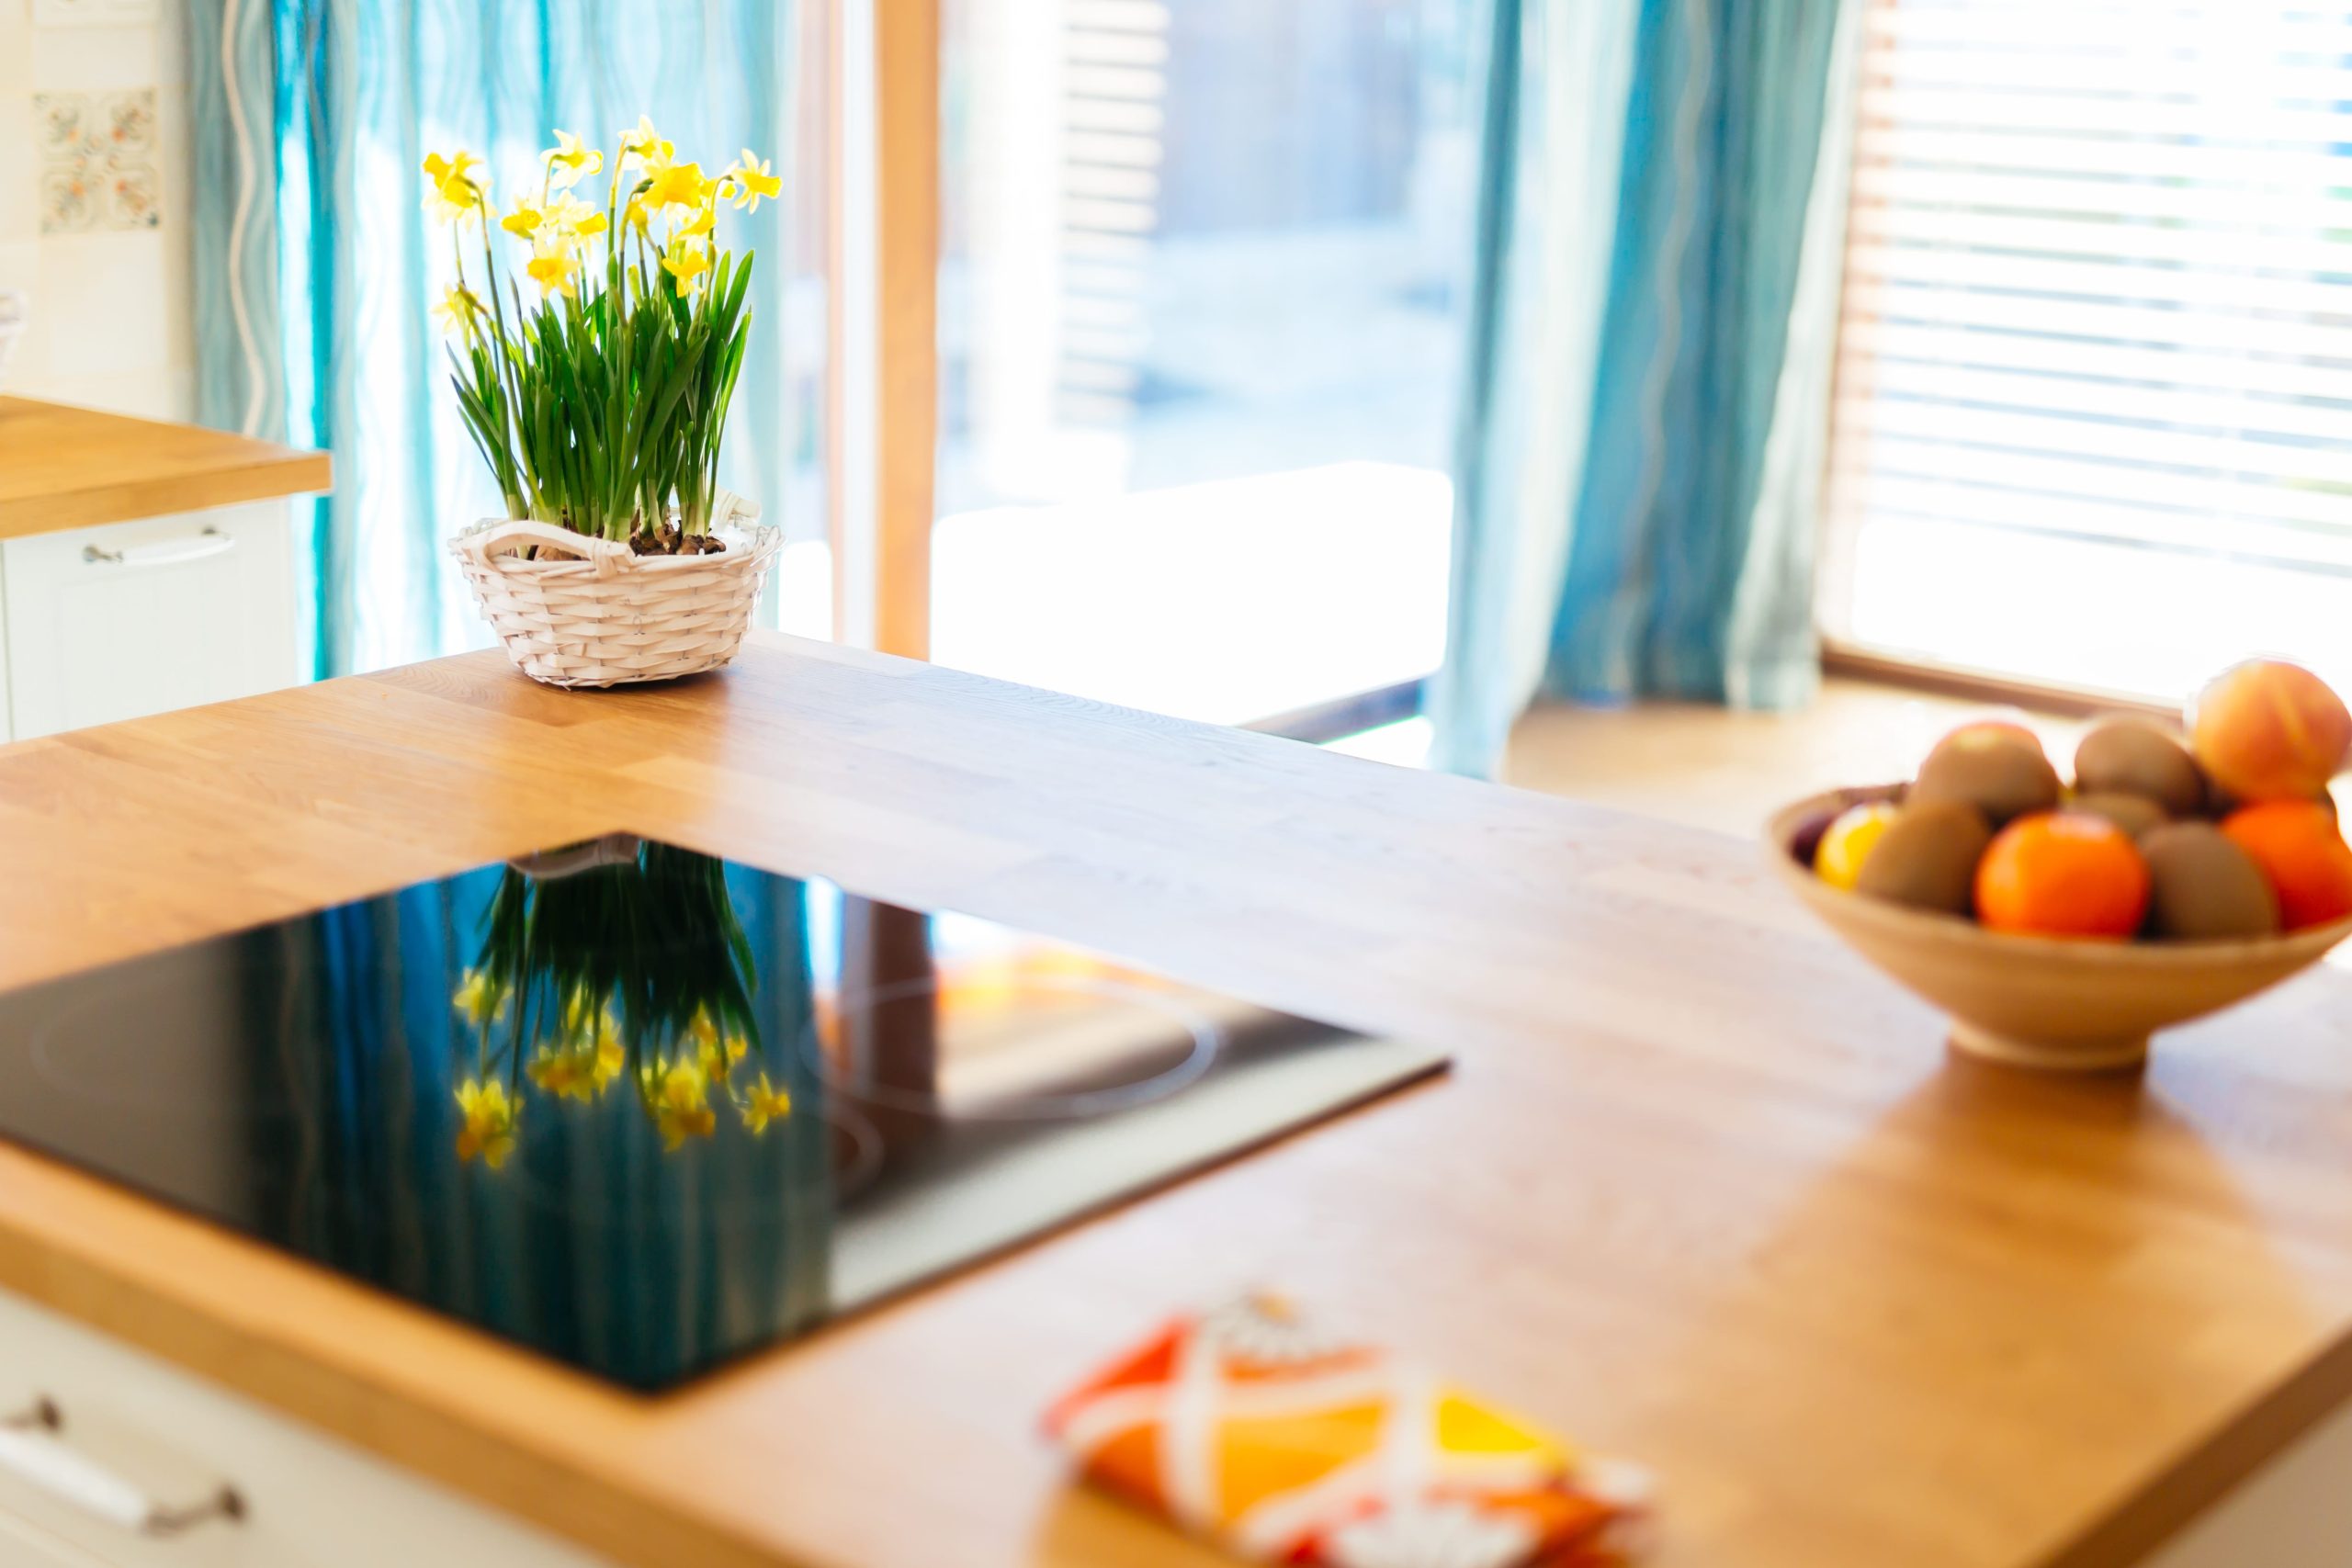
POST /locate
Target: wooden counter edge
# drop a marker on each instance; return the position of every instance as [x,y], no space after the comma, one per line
[2157,1512]
[238,468]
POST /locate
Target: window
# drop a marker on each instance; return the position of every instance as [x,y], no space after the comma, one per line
[2094,418]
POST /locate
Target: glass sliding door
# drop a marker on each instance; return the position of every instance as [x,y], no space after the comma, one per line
[1199,295]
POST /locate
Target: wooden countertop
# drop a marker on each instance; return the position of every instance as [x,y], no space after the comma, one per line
[1701,1189]
[68,467]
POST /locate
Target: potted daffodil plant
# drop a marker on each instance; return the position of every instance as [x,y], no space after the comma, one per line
[596,379]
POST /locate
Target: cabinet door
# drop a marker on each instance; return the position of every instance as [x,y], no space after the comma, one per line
[135,1431]
[24,1544]
[107,623]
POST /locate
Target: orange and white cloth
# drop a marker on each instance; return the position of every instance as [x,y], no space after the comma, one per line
[1250,1426]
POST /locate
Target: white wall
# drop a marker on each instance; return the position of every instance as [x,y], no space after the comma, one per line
[111,299]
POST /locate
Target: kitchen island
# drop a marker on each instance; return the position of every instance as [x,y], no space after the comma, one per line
[1700,1191]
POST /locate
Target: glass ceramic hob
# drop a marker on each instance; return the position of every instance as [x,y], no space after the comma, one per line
[641,1110]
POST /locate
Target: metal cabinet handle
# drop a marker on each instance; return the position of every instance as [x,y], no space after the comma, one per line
[209,541]
[32,1449]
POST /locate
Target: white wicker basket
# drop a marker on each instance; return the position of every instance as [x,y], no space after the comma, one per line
[610,615]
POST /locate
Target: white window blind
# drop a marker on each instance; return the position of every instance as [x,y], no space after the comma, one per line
[2094,416]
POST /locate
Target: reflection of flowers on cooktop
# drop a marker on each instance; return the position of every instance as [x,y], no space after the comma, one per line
[617,971]
[547,1175]
[680,1079]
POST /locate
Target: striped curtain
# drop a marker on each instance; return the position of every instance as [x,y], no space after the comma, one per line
[316,264]
[1655,307]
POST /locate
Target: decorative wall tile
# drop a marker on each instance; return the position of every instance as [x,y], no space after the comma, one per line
[69,198]
[98,152]
[132,199]
[58,123]
[126,123]
[92,125]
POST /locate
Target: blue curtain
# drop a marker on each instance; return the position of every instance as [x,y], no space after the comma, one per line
[316,264]
[1655,300]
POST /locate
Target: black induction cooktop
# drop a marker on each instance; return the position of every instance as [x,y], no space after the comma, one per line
[641,1110]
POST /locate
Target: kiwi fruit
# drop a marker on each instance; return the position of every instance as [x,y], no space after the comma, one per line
[2126,756]
[2000,772]
[1927,858]
[2135,813]
[2203,888]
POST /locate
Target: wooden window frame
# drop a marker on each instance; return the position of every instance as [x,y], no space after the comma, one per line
[882,318]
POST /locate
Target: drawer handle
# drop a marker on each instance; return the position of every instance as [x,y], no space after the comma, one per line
[210,541]
[32,1448]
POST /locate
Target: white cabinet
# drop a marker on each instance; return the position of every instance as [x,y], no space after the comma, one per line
[113,623]
[2295,1512]
[135,1430]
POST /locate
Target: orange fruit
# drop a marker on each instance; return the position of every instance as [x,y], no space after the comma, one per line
[1848,840]
[2269,731]
[2062,874]
[2302,854]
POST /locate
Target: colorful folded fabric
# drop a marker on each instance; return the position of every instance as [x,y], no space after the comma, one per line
[1253,1428]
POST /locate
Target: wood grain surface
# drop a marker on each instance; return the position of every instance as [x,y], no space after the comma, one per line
[69,467]
[1701,1189]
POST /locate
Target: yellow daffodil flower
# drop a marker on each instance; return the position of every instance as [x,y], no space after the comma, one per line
[689,263]
[491,1121]
[682,1106]
[565,1074]
[569,162]
[478,997]
[454,191]
[719,1059]
[460,309]
[751,179]
[555,272]
[524,220]
[591,1029]
[705,220]
[644,148]
[459,165]
[582,1012]
[574,218]
[767,1103]
[456,202]
[678,185]
[720,1051]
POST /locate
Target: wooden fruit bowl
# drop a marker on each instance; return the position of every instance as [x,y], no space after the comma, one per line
[2065,1006]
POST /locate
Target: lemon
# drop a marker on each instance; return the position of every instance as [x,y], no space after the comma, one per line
[1847,841]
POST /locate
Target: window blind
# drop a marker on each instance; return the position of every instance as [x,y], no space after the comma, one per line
[2099,284]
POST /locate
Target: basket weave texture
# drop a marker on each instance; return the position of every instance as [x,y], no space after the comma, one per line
[609,615]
